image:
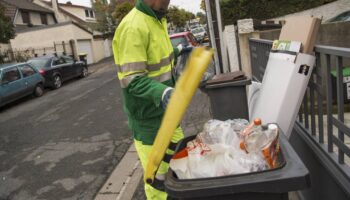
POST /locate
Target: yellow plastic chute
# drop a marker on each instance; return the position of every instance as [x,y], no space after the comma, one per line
[178,103]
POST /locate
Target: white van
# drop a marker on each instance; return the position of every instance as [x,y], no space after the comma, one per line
[199,33]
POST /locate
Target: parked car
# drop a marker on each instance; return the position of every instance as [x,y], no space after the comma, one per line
[185,38]
[19,80]
[57,69]
[199,33]
[342,17]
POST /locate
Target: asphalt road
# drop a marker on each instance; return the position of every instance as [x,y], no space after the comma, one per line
[64,144]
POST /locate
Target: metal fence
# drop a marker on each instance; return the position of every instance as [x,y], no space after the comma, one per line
[22,55]
[323,113]
[259,55]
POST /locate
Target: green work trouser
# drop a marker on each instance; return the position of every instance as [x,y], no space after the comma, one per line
[143,151]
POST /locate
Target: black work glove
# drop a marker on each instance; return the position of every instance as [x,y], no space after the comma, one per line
[166,96]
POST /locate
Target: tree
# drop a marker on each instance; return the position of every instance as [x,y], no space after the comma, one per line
[6,27]
[202,6]
[178,17]
[105,22]
[121,10]
[233,10]
[202,17]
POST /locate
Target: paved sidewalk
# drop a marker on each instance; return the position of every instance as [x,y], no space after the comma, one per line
[124,179]
[125,182]
[100,64]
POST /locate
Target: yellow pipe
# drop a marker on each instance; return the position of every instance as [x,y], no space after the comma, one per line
[178,103]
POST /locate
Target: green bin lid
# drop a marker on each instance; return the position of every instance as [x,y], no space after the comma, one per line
[346,72]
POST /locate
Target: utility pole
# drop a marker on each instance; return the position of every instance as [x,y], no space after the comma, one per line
[224,60]
[212,36]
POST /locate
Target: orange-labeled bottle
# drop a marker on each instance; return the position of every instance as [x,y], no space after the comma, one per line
[250,134]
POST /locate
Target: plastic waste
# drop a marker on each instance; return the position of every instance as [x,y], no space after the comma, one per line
[215,152]
[272,148]
[253,137]
[257,138]
[222,132]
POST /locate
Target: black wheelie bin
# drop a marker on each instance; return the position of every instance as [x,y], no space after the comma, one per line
[273,184]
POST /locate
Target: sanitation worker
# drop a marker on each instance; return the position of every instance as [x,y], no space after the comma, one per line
[145,57]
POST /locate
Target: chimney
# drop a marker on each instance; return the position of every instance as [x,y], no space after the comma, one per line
[56,11]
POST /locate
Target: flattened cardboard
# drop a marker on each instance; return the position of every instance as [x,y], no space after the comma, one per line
[303,29]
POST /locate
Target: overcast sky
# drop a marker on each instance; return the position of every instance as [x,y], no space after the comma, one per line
[189,5]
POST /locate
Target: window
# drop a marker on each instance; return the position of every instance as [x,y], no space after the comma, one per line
[87,13]
[27,71]
[39,63]
[58,61]
[25,17]
[68,59]
[11,75]
[179,40]
[91,14]
[43,18]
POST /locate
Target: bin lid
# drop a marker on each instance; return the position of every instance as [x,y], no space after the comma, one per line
[226,77]
[238,82]
[346,72]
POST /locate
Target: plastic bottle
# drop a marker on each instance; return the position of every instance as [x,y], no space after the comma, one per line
[252,137]
[271,133]
[271,148]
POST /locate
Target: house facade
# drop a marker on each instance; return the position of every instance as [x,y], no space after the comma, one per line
[67,32]
[84,13]
[25,14]
[39,26]
[70,12]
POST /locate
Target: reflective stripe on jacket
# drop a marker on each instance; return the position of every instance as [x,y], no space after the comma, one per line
[144,57]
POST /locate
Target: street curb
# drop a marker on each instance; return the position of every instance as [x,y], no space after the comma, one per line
[124,180]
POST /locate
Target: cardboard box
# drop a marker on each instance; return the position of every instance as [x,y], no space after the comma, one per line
[303,29]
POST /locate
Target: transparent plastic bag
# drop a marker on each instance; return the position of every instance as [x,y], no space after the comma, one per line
[222,132]
[216,160]
[215,152]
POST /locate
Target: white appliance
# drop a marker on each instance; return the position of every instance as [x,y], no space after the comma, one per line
[282,89]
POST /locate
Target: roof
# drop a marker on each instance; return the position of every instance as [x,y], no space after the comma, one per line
[26,5]
[65,11]
[10,10]
[52,26]
[73,5]
[179,34]
[67,5]
[71,15]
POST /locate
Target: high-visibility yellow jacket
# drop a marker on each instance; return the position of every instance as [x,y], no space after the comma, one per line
[144,57]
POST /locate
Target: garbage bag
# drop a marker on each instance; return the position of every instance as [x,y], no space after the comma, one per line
[215,152]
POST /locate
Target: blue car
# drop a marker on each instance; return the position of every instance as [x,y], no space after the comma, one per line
[19,80]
